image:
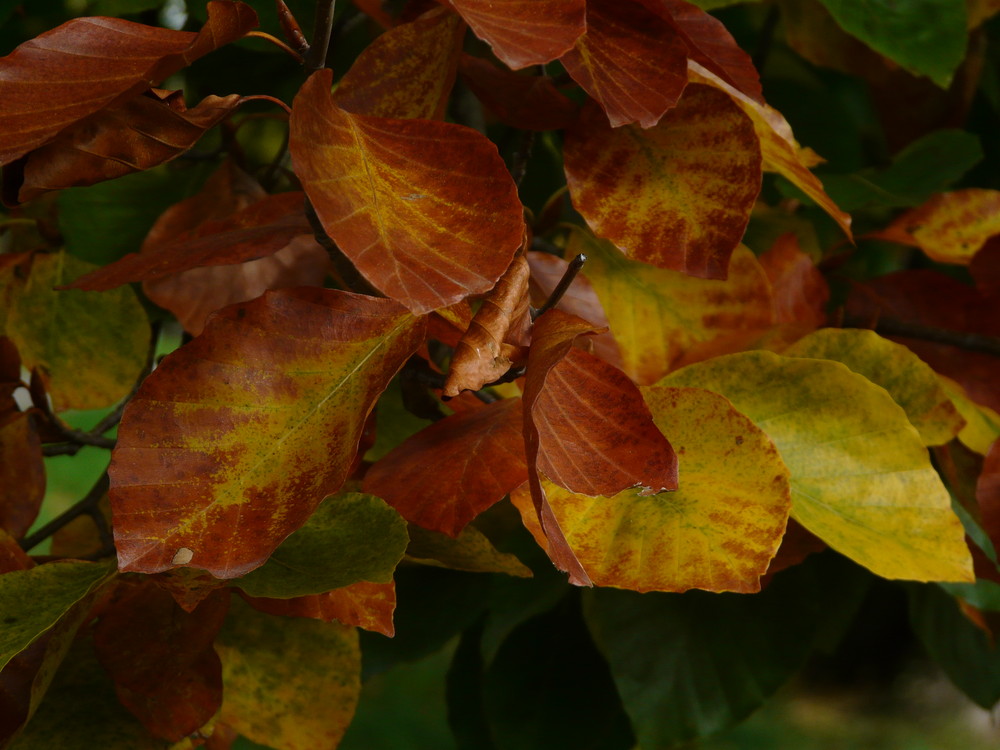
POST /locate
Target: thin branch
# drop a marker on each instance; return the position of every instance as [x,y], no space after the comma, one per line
[277,43]
[973,342]
[323,30]
[557,294]
[85,506]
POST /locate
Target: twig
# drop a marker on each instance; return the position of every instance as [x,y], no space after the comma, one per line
[316,56]
[973,342]
[87,505]
[557,294]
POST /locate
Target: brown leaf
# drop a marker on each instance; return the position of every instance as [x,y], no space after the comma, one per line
[426,211]
[12,557]
[22,474]
[631,61]
[161,658]
[406,72]
[489,347]
[123,138]
[525,32]
[188,586]
[448,473]
[57,79]
[800,291]
[988,494]
[985,267]
[365,605]
[529,102]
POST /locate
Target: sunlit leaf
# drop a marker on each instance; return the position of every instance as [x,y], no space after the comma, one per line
[89,347]
[366,605]
[350,538]
[22,474]
[260,417]
[406,72]
[12,557]
[289,683]
[81,67]
[161,658]
[525,32]
[426,210]
[677,195]
[471,551]
[631,61]
[911,382]
[861,478]
[656,314]
[448,473]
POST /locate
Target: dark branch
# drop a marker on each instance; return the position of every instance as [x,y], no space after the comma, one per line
[557,294]
[316,56]
[88,505]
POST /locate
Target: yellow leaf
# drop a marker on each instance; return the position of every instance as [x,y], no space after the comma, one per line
[982,424]
[717,532]
[656,314]
[861,478]
[910,381]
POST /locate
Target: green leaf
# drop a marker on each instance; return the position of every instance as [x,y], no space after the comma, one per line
[351,537]
[927,37]
[962,649]
[471,551]
[689,665]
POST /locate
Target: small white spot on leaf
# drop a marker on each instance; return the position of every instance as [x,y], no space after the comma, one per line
[183,556]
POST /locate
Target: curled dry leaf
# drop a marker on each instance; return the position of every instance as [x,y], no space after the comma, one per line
[498,330]
[630,61]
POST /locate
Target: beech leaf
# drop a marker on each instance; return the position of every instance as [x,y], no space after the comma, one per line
[656,314]
[678,195]
[908,379]
[470,551]
[982,424]
[799,289]
[448,473]
[425,210]
[525,32]
[22,474]
[236,437]
[64,75]
[350,538]
[528,102]
[365,605]
[289,683]
[630,60]
[96,366]
[861,477]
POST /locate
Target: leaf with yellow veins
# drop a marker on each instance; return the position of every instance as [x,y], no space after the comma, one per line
[909,380]
[861,477]
[656,315]
[717,532]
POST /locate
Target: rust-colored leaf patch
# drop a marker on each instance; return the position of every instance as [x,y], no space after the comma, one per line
[364,604]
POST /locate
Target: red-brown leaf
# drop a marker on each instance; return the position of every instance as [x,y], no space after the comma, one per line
[447,474]
[125,137]
[22,474]
[985,267]
[425,210]
[51,82]
[630,60]
[529,102]
[365,605]
[161,659]
[988,494]
[12,557]
[525,32]
[406,72]
[236,438]
[800,291]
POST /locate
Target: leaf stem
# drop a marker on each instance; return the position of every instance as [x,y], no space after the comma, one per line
[88,505]
[316,56]
[277,43]
[557,294]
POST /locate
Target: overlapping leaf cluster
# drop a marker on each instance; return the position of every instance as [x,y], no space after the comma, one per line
[387,335]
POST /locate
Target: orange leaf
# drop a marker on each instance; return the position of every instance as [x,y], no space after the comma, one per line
[364,604]
[125,137]
[778,147]
[161,659]
[237,437]
[406,72]
[489,347]
[425,210]
[525,32]
[678,195]
[448,473]
[51,82]
[800,291]
[528,102]
[22,474]
[950,227]
[12,557]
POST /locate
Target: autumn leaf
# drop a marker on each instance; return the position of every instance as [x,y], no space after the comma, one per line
[161,658]
[988,494]
[528,102]
[982,424]
[425,210]
[448,473]
[470,550]
[656,314]
[525,32]
[911,382]
[99,62]
[799,289]
[407,72]
[12,557]
[364,604]
[100,362]
[348,539]
[676,196]
[22,474]
[261,417]
[718,531]
[861,478]
[289,683]
[631,62]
